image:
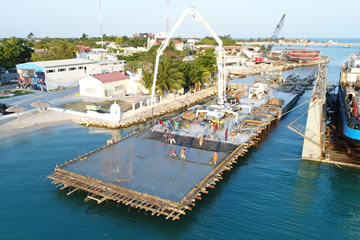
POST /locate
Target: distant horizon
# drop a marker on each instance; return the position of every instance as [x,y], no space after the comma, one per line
[130,36]
[69,19]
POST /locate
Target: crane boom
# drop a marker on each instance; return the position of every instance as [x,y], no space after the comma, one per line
[275,34]
[220,53]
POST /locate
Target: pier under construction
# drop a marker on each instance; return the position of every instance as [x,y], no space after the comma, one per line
[138,172]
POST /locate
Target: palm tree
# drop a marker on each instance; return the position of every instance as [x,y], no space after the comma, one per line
[169,77]
[147,80]
[195,74]
[203,76]
[132,66]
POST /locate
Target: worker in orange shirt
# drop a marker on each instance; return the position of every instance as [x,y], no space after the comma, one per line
[215,158]
[201,140]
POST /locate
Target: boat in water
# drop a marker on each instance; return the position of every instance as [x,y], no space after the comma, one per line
[349,98]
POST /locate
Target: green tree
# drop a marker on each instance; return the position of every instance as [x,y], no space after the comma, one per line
[133,66]
[14,51]
[30,36]
[227,40]
[207,60]
[56,49]
[42,43]
[112,50]
[207,41]
[169,77]
[84,36]
[119,41]
[195,74]
[147,80]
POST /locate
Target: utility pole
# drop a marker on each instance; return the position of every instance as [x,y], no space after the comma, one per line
[100,22]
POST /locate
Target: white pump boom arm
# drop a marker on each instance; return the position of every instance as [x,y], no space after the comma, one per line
[220,53]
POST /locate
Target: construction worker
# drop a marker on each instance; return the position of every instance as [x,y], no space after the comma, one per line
[212,128]
[201,140]
[165,135]
[171,139]
[232,133]
[173,154]
[215,158]
[182,153]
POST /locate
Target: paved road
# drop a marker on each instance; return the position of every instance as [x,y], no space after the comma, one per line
[60,98]
[54,98]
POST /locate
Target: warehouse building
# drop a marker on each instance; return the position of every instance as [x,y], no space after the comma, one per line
[50,75]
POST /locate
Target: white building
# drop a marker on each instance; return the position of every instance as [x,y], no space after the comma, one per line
[109,85]
[102,57]
[101,43]
[65,73]
[111,66]
[191,43]
[160,35]
[150,42]
[113,45]
[179,46]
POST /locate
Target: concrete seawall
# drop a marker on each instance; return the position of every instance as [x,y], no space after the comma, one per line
[145,113]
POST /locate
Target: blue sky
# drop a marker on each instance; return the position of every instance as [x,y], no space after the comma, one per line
[239,18]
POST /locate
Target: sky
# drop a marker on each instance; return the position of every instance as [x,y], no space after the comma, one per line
[238,18]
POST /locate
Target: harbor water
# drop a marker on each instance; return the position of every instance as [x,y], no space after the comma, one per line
[270,194]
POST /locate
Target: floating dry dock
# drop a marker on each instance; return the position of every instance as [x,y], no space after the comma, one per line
[137,172]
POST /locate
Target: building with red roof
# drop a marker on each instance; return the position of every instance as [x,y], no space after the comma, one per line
[111,77]
[83,49]
[105,85]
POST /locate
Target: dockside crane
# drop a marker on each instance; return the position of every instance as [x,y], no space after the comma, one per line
[275,35]
[220,53]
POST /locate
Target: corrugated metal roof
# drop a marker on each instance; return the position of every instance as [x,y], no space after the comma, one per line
[110,77]
[63,63]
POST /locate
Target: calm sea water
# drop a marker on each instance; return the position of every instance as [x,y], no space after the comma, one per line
[267,196]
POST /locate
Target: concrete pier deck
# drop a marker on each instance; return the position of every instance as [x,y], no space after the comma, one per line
[137,171]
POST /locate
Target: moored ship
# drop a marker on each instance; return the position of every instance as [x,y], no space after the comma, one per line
[349,98]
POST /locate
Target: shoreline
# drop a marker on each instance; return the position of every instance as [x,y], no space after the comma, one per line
[33,122]
[29,129]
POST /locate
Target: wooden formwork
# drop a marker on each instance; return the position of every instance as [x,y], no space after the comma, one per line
[101,191]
